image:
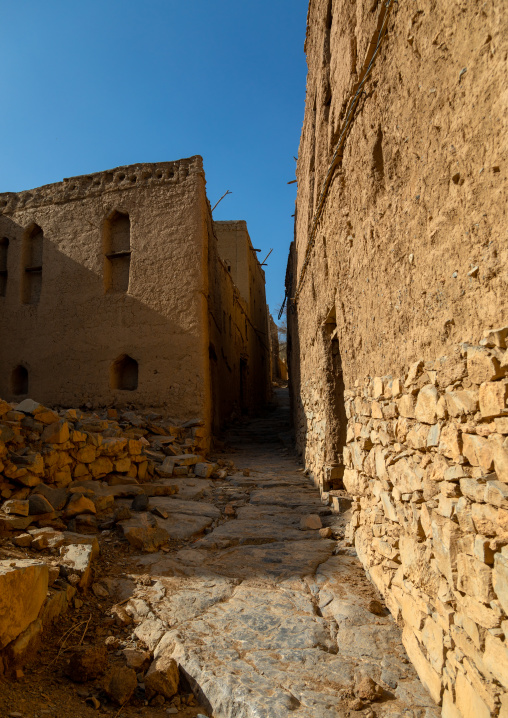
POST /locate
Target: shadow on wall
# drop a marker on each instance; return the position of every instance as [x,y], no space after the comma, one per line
[318,407]
[78,340]
[335,388]
[297,409]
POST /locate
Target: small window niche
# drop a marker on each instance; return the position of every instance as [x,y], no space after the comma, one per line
[33,245]
[117,252]
[19,381]
[4,248]
[124,373]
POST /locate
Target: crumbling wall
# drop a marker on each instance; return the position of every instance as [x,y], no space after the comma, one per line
[409,254]
[120,315]
[60,473]
[427,466]
[234,247]
[239,347]
[239,257]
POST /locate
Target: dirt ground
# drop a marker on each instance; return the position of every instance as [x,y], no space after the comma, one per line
[45,690]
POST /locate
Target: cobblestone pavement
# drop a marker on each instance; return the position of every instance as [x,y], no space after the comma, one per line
[267,619]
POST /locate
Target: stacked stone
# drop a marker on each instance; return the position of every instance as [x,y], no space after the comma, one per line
[427,467]
[55,467]
[311,431]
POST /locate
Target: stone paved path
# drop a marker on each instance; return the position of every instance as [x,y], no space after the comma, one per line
[264,618]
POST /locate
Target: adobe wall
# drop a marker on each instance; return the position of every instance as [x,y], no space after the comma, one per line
[234,246]
[239,347]
[70,338]
[397,264]
[410,252]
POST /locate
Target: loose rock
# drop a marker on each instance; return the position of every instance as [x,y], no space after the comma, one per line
[162,677]
[310,522]
[87,663]
[120,683]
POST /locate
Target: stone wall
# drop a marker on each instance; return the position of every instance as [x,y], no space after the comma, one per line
[60,473]
[409,253]
[427,466]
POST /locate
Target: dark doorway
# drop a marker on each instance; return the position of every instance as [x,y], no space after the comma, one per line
[19,381]
[335,384]
[244,404]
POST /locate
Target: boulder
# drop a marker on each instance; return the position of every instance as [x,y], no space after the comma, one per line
[203,469]
[120,683]
[493,396]
[142,532]
[56,433]
[24,647]
[77,559]
[56,497]
[136,659]
[16,507]
[79,504]
[426,404]
[140,503]
[87,663]
[23,588]
[38,504]
[313,521]
[150,631]
[29,406]
[162,678]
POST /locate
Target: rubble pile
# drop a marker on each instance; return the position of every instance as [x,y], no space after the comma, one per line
[64,469]
[65,476]
[427,466]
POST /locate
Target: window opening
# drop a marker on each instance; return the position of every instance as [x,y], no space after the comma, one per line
[32,275]
[4,247]
[124,373]
[117,252]
[244,404]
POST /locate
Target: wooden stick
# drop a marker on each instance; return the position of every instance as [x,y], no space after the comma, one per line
[225,193]
[86,628]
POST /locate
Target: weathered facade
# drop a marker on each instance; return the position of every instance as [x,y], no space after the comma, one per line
[279,366]
[239,347]
[110,285]
[399,256]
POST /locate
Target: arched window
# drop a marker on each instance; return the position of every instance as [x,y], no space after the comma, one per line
[4,247]
[33,243]
[124,373]
[117,252]
[19,380]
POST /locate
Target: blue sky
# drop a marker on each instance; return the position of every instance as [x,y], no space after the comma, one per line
[87,86]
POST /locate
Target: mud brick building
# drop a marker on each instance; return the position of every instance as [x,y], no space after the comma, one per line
[113,290]
[398,305]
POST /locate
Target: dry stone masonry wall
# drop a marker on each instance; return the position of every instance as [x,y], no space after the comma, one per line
[60,473]
[427,466]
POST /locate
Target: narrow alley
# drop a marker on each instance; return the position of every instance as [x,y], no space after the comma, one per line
[264,617]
